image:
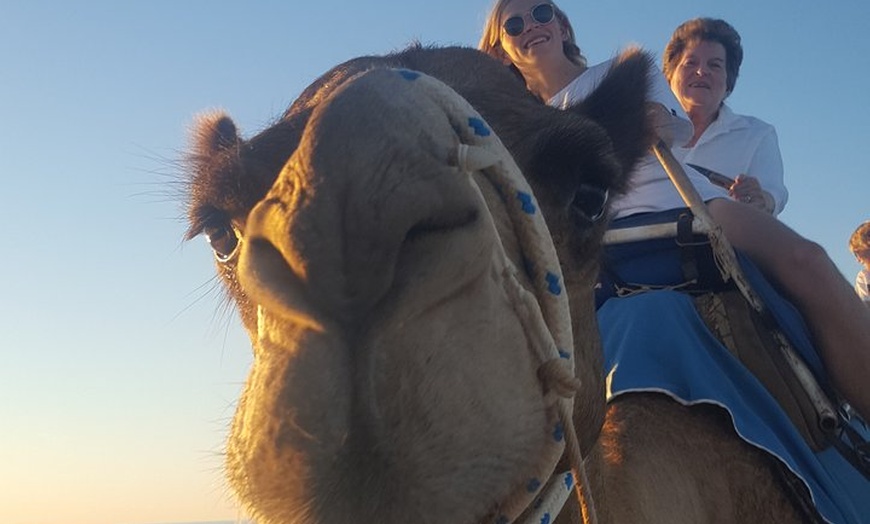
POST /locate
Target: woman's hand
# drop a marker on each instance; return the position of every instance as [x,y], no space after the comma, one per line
[746,189]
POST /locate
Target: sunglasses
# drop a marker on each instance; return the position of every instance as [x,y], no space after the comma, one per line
[541,14]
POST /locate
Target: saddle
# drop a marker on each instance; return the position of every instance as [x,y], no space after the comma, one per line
[658,251]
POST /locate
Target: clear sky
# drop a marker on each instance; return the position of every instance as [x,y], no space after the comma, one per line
[119,363]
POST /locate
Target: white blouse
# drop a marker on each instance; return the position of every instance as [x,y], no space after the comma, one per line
[736,144]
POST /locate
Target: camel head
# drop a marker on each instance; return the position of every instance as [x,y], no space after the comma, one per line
[376,262]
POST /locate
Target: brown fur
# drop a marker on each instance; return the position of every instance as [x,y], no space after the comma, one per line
[666,463]
[391,381]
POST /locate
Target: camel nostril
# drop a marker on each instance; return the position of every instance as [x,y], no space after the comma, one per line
[268,280]
[443,224]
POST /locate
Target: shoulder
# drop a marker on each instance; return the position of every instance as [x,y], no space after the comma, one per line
[733,120]
[594,74]
[601,68]
[579,88]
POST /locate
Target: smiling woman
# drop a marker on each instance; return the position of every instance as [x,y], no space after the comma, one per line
[841,332]
[547,57]
[702,62]
[530,23]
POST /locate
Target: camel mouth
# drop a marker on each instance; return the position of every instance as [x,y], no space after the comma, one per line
[442,225]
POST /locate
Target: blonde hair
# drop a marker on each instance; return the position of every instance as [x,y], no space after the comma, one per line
[490,39]
[859,242]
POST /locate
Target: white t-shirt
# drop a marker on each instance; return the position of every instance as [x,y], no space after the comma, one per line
[650,188]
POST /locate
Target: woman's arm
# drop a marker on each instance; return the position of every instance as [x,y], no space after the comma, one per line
[766,166]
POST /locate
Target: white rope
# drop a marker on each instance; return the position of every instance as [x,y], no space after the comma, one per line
[544,311]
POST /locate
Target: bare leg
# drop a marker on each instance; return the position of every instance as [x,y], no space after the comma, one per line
[839,321]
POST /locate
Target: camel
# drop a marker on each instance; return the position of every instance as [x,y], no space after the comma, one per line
[375,260]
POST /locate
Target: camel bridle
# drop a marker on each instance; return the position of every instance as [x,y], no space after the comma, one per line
[543,312]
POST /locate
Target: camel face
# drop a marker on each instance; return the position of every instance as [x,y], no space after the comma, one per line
[393,379]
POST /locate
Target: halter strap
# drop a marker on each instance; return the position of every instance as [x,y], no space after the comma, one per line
[544,311]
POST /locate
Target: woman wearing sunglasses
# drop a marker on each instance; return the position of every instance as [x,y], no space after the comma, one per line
[536,40]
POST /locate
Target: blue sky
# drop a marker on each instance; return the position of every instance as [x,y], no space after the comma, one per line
[119,365]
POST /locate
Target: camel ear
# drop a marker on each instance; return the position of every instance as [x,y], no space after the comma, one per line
[213,134]
[618,104]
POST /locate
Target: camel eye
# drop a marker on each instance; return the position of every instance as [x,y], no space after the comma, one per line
[590,202]
[224,241]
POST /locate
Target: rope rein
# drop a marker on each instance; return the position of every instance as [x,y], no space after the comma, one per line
[543,311]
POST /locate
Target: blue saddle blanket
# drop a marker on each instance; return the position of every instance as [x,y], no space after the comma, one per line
[656,342]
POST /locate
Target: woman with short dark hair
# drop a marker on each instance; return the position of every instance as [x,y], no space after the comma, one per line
[702,62]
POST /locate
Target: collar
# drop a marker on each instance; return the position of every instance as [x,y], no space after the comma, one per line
[726,121]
